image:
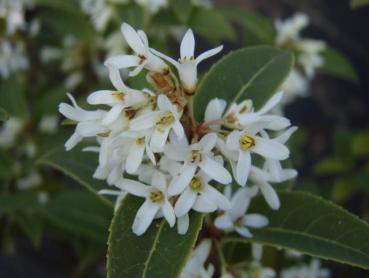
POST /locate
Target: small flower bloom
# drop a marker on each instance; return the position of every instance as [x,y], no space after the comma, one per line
[196,156]
[245,143]
[236,219]
[200,196]
[156,200]
[163,120]
[306,271]
[143,57]
[195,266]
[187,63]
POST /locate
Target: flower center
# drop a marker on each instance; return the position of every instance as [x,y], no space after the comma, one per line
[156,196]
[140,141]
[196,156]
[118,95]
[195,184]
[104,134]
[238,222]
[166,119]
[246,142]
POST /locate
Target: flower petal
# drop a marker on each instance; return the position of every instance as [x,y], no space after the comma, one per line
[215,170]
[133,187]
[183,223]
[214,109]
[168,213]
[243,231]
[243,167]
[208,142]
[145,215]
[133,39]
[187,49]
[123,61]
[223,222]
[159,138]
[218,198]
[113,114]
[270,148]
[270,195]
[134,157]
[255,220]
[185,202]
[179,183]
[208,54]
[203,204]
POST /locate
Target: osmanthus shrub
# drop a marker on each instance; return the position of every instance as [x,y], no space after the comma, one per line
[188,159]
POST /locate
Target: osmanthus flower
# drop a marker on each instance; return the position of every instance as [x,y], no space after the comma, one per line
[256,267]
[236,219]
[195,156]
[163,120]
[246,142]
[312,270]
[143,57]
[274,167]
[289,30]
[261,179]
[187,63]
[156,200]
[200,196]
[195,267]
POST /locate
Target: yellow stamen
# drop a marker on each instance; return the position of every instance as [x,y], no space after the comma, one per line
[118,95]
[196,184]
[246,142]
[156,196]
[196,156]
[104,134]
[140,141]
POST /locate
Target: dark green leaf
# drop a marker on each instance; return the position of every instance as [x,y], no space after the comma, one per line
[182,9]
[337,65]
[4,116]
[360,144]
[211,25]
[313,226]
[358,3]
[80,213]
[12,97]
[251,73]
[10,203]
[76,164]
[160,252]
[254,23]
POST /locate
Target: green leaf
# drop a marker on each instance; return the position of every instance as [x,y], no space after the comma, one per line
[80,213]
[4,115]
[360,144]
[31,224]
[160,252]
[314,226]
[254,23]
[253,73]
[10,203]
[78,165]
[132,14]
[12,97]
[182,9]
[211,25]
[337,65]
[331,165]
[358,3]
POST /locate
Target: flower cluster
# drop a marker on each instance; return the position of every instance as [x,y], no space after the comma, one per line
[308,55]
[149,144]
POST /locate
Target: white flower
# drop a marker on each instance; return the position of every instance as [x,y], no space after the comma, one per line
[143,59]
[200,196]
[99,11]
[261,179]
[90,123]
[153,5]
[310,57]
[48,124]
[195,156]
[195,266]
[9,132]
[245,143]
[243,115]
[256,267]
[273,166]
[214,112]
[33,179]
[306,271]
[164,120]
[295,85]
[187,64]
[290,28]
[236,219]
[156,200]
[12,58]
